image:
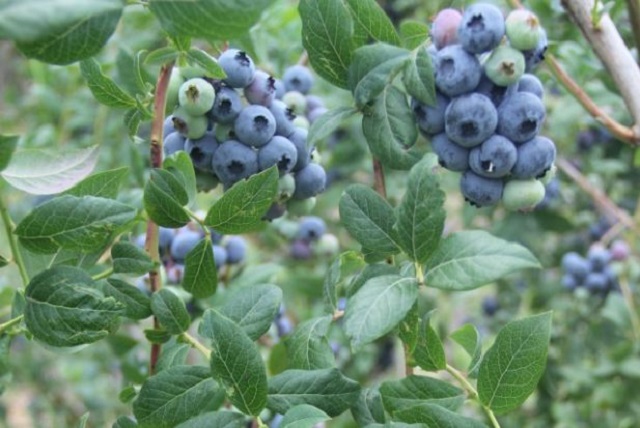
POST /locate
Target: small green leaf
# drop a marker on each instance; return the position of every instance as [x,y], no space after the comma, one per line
[253,308]
[170,311]
[236,363]
[242,207]
[180,165]
[128,258]
[173,354]
[159,336]
[409,331]
[200,273]
[303,416]
[8,144]
[413,390]
[429,352]
[137,304]
[344,265]
[512,367]
[368,409]
[164,198]
[421,214]
[103,88]
[219,419]
[371,23]
[66,308]
[162,55]
[327,389]
[470,259]
[413,33]
[82,423]
[418,77]
[434,416]
[75,223]
[175,395]
[45,172]
[132,119]
[205,61]
[378,307]
[369,218]
[326,124]
[103,184]
[308,347]
[127,394]
[370,271]
[468,337]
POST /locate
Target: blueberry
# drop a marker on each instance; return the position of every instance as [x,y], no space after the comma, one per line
[598,257]
[234,161]
[327,246]
[300,250]
[523,29]
[255,125]
[569,282]
[482,28]
[314,102]
[190,126]
[530,83]
[227,105]
[310,181]
[286,187]
[620,250]
[504,66]
[494,157]
[284,117]
[522,195]
[202,150]
[224,132]
[520,117]
[173,143]
[298,207]
[316,113]
[278,151]
[183,242]
[456,71]
[175,81]
[444,29]
[596,282]
[496,93]
[303,122]
[490,305]
[262,90]
[534,56]
[576,265]
[535,157]
[165,237]
[280,89]
[430,118]
[298,78]
[141,240]
[196,96]
[296,101]
[220,255]
[597,230]
[470,119]
[175,273]
[299,139]
[167,127]
[276,421]
[238,66]
[481,191]
[236,247]
[284,326]
[206,181]
[311,228]
[450,155]
[276,210]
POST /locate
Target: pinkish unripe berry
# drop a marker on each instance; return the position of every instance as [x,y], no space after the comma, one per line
[444,30]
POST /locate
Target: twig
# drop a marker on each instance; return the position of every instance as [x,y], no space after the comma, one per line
[473,394]
[13,244]
[304,58]
[187,338]
[378,178]
[102,275]
[8,324]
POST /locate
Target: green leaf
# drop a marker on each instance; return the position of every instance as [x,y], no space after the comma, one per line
[327,389]
[236,362]
[372,69]
[242,207]
[393,424]
[413,34]
[105,90]
[8,144]
[171,355]
[200,273]
[164,198]
[124,422]
[66,308]
[468,337]
[5,364]
[82,423]
[370,271]
[409,331]
[45,172]
[128,258]
[206,62]
[368,409]
[180,165]
[371,23]
[103,184]
[175,395]
[413,390]
[159,336]
[162,55]
[470,259]
[132,119]
[429,352]
[369,218]
[345,264]
[308,347]
[253,308]
[327,35]
[170,311]
[137,304]
[421,213]
[210,19]
[75,223]
[303,416]
[512,367]
[326,124]
[388,126]
[127,394]
[378,307]
[418,77]
[220,419]
[435,416]
[18,303]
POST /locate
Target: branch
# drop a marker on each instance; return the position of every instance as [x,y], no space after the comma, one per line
[15,251]
[473,394]
[614,54]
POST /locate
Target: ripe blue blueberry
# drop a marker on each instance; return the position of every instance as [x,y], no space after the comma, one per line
[173,142]
[234,161]
[299,139]
[496,93]
[202,150]
[280,89]
[227,105]
[535,157]
[298,78]
[430,118]
[238,66]
[300,250]
[165,237]
[530,83]
[219,255]
[534,56]
[310,181]
[450,155]
[521,117]
[236,247]
[284,117]
[494,157]
[276,210]
[311,228]
[255,125]
[278,151]
[183,242]
[481,191]
[596,282]
[576,265]
[569,282]
[490,305]
[482,28]
[167,127]
[599,257]
[261,90]
[470,119]
[456,71]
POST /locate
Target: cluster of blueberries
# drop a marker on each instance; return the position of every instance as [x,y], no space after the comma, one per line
[595,272]
[311,239]
[246,123]
[488,109]
[175,244]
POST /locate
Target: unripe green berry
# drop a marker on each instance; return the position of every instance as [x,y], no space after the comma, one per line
[223,132]
[193,127]
[522,28]
[300,207]
[522,195]
[286,187]
[205,181]
[504,66]
[326,246]
[549,175]
[296,101]
[301,122]
[196,96]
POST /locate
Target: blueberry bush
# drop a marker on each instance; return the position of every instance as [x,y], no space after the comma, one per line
[319,213]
